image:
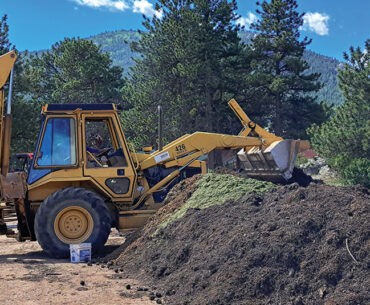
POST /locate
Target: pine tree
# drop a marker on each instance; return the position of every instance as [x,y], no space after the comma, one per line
[345,138]
[74,71]
[187,66]
[5,44]
[279,82]
[24,113]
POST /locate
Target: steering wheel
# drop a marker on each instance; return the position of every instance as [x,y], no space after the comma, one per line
[105,152]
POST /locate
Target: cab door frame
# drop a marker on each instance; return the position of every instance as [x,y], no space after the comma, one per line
[100,175]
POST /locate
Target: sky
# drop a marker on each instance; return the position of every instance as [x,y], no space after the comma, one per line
[333,25]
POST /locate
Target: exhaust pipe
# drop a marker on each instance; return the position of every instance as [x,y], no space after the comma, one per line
[160,130]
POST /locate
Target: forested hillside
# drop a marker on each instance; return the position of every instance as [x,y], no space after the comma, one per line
[327,66]
[117,43]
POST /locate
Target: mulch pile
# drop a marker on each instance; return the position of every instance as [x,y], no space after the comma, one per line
[292,245]
[174,200]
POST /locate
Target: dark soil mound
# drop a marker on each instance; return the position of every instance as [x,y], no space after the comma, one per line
[292,245]
[174,200]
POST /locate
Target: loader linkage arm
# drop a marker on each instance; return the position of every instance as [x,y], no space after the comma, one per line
[192,146]
[254,129]
[262,154]
[250,127]
[188,147]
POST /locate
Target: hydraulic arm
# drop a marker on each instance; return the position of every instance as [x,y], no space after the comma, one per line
[262,154]
[6,67]
[12,186]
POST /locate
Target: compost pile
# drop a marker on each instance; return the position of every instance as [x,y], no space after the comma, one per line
[290,245]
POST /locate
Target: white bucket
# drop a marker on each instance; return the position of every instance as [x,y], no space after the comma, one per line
[80,253]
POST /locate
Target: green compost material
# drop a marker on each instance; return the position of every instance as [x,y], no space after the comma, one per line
[216,189]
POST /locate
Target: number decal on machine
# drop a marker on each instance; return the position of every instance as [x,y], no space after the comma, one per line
[180,149]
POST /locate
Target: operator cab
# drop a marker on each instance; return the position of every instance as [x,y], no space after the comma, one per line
[86,139]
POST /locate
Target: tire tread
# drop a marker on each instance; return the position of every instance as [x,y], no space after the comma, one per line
[46,238]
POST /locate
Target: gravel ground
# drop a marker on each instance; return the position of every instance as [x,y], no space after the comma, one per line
[28,276]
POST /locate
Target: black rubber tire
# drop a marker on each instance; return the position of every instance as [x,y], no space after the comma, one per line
[52,205]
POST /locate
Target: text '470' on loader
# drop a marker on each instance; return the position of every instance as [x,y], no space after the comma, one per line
[75,192]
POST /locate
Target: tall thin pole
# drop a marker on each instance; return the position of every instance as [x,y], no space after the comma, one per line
[160,143]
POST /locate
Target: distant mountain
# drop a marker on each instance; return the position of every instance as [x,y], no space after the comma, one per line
[328,67]
[117,43]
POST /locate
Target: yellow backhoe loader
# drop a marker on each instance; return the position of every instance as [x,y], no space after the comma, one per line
[85,178]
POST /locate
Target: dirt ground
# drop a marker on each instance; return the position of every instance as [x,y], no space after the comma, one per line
[28,276]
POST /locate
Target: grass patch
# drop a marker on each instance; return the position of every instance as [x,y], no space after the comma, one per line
[215,189]
[336,180]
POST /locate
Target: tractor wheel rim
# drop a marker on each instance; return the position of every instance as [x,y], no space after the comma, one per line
[73,225]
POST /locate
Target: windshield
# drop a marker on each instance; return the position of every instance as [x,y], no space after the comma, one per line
[58,145]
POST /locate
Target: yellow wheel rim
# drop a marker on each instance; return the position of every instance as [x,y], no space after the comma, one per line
[73,225]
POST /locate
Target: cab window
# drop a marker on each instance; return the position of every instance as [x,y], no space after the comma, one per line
[58,146]
[102,146]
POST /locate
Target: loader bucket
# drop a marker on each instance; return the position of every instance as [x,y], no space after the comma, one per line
[274,163]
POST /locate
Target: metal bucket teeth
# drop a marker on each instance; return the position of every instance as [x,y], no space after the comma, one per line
[274,163]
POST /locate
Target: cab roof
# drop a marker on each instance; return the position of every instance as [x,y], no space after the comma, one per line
[74,107]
